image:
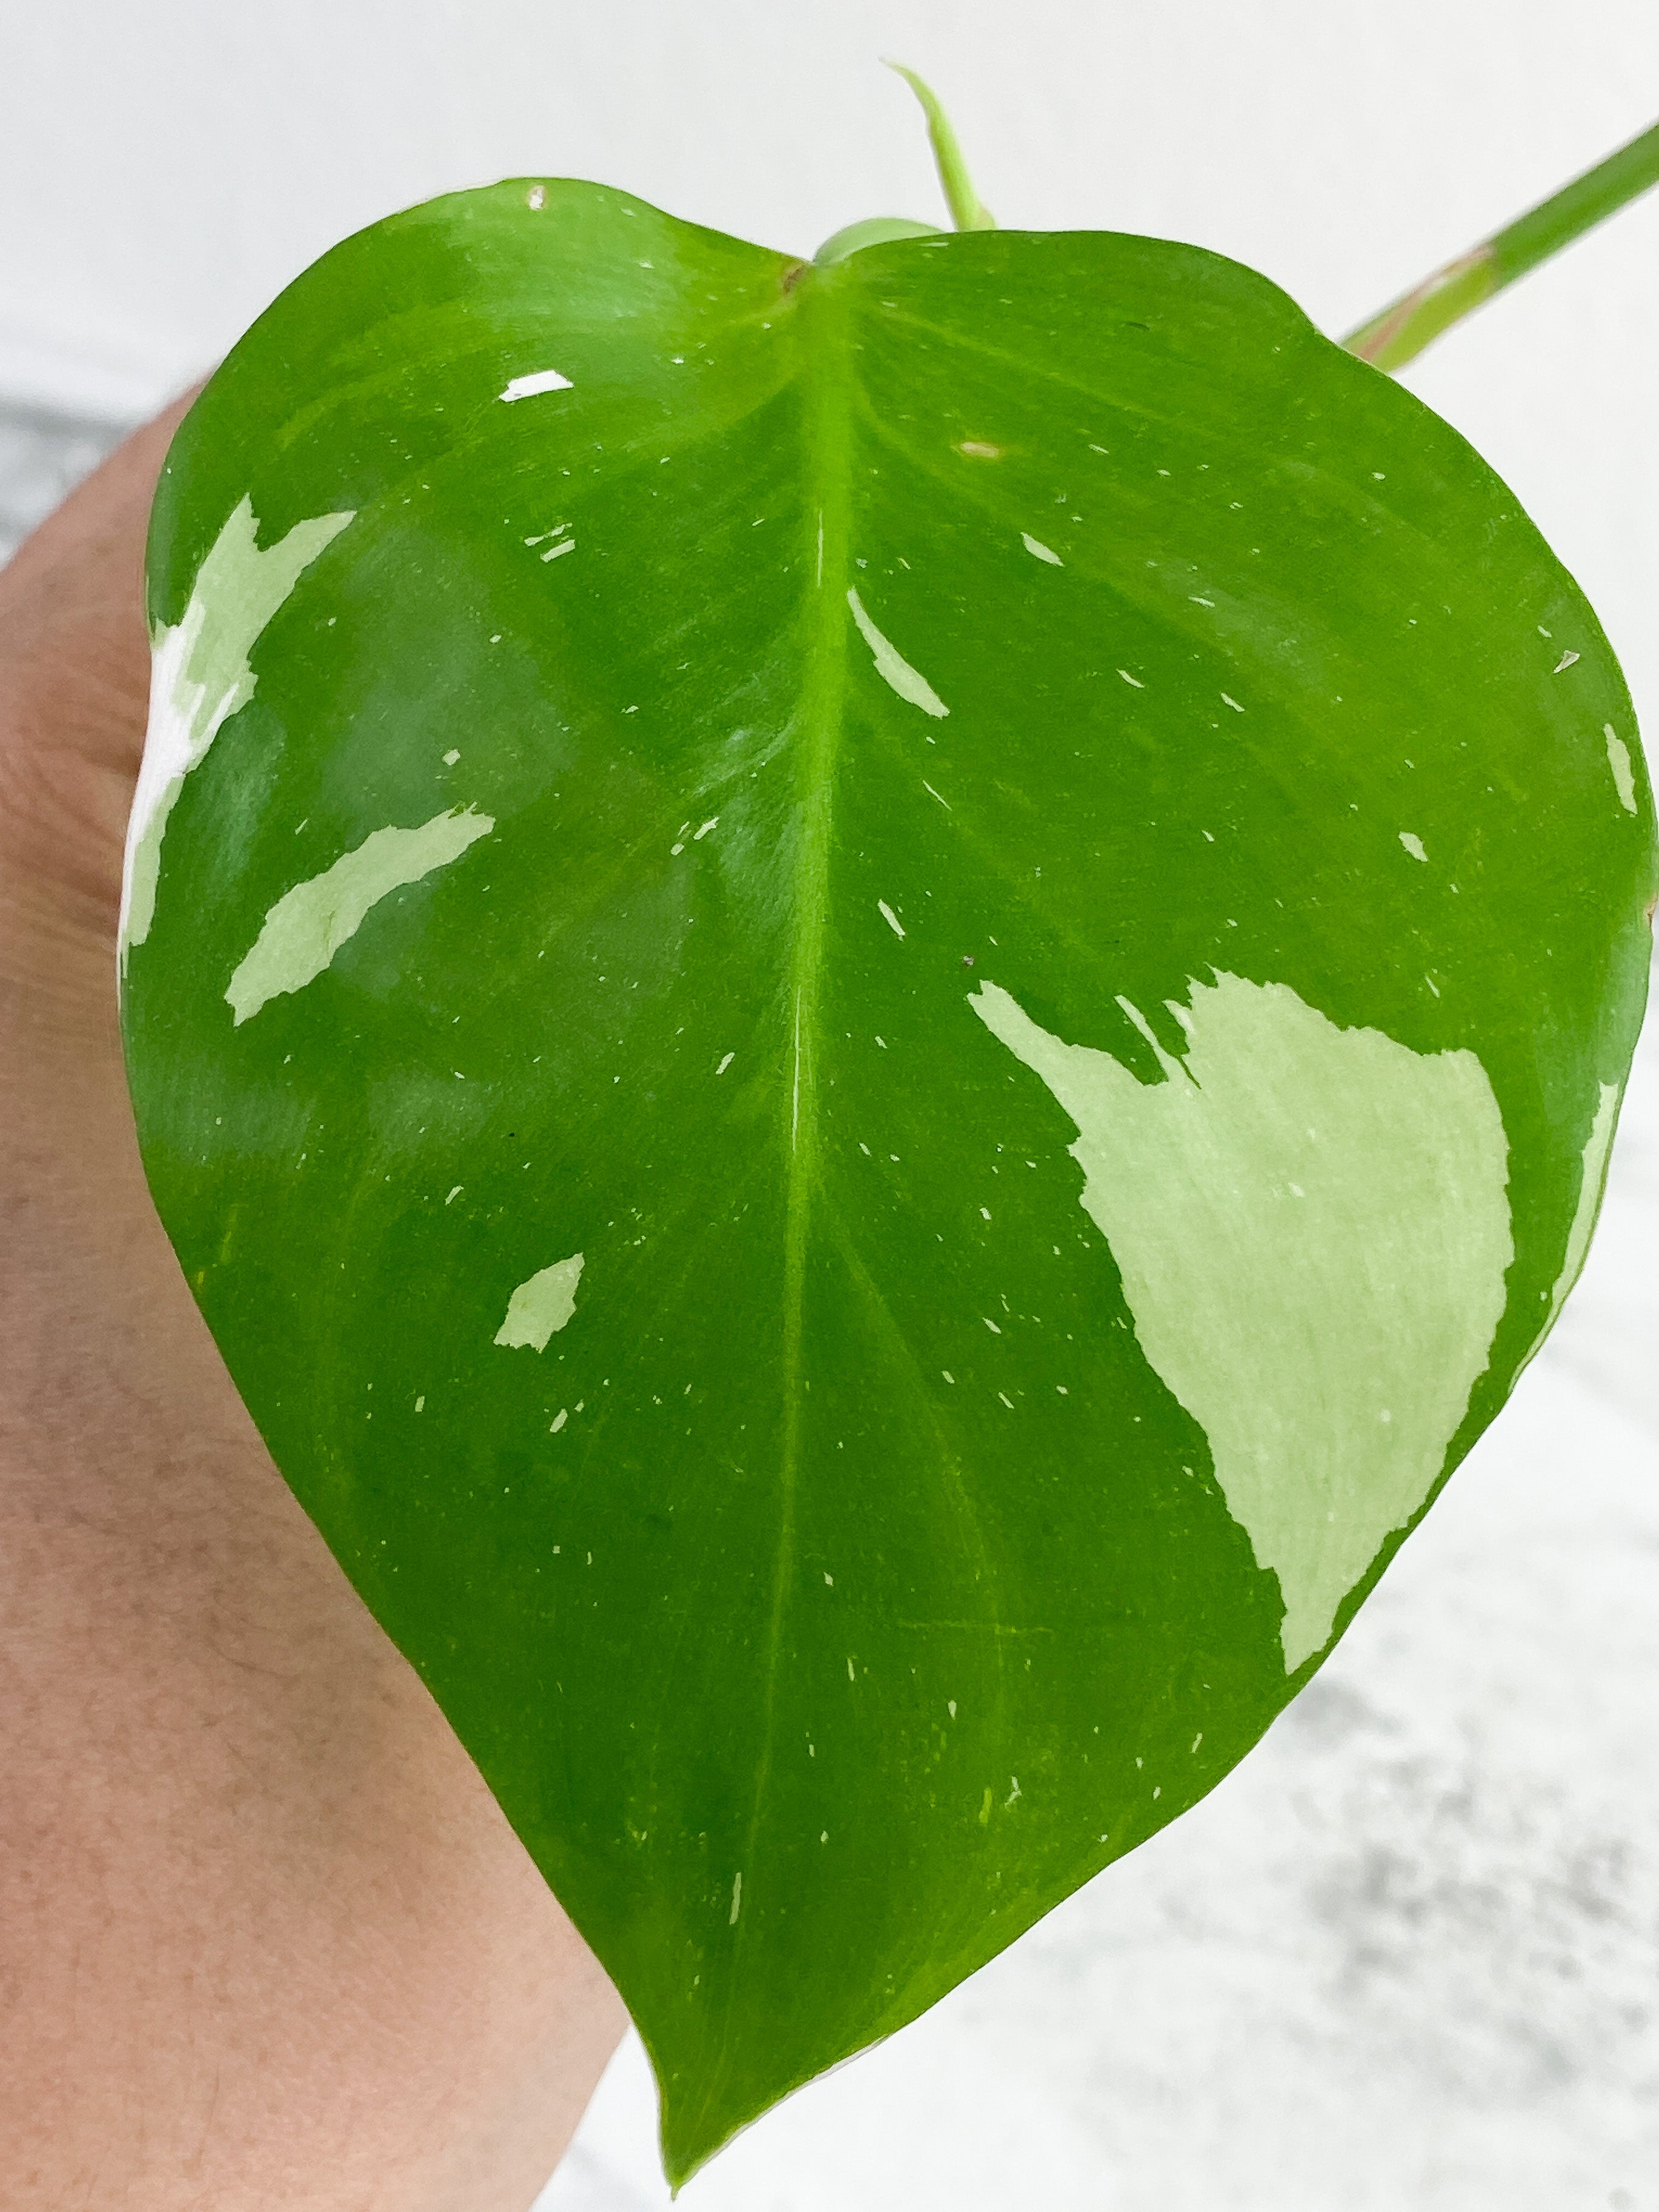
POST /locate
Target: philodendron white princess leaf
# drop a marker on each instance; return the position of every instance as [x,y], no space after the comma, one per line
[877,1003]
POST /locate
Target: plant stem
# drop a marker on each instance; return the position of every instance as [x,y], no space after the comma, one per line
[968,211]
[1405,327]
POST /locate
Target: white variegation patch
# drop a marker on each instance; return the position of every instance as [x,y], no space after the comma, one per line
[543,380]
[1312,1227]
[1624,779]
[309,924]
[199,677]
[1592,1182]
[542,1306]
[893,668]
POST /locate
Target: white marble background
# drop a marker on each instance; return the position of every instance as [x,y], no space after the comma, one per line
[1407,1955]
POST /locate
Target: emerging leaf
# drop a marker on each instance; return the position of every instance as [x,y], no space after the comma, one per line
[876,1004]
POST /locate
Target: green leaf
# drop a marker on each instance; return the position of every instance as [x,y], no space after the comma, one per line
[875,1003]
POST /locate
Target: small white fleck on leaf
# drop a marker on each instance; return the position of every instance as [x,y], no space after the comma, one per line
[1043,552]
[1618,762]
[1414,845]
[890,918]
[541,380]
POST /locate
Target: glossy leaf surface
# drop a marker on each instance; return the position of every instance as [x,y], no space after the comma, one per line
[875,1004]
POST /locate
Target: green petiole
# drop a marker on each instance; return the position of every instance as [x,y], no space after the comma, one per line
[1396,335]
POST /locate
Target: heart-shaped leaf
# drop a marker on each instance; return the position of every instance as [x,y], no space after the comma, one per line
[875,1003]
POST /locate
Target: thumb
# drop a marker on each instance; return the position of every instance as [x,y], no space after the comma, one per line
[74,684]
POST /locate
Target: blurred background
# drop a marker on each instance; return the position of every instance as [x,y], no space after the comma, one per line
[1408,1954]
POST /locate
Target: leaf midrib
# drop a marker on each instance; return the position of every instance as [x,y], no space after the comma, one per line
[828,385]
[826,382]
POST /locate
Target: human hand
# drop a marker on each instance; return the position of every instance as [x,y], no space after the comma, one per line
[265,1939]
